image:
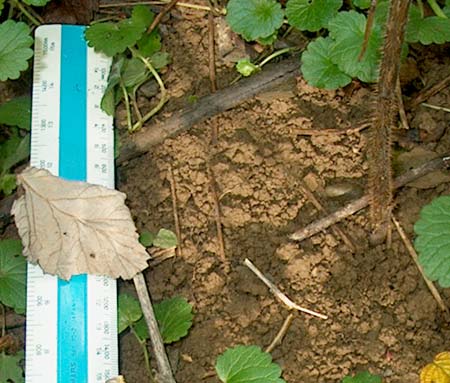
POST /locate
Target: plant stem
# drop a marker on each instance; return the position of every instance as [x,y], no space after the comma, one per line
[275,54]
[127,106]
[164,95]
[28,14]
[3,312]
[143,345]
[180,4]
[437,9]
[420,5]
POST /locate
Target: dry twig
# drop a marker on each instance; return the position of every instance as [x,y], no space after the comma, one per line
[176,219]
[336,229]
[279,294]
[160,15]
[426,93]
[281,333]
[212,69]
[414,256]
[164,374]
[354,206]
[217,213]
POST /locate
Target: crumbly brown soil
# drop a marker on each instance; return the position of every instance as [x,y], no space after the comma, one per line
[381,315]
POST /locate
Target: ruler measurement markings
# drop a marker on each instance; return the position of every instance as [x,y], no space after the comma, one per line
[45,153]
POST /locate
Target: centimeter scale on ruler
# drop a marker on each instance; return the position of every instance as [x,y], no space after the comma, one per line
[71,331]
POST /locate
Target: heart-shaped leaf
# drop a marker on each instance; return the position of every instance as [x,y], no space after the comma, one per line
[12,275]
[129,312]
[247,364]
[174,317]
[73,227]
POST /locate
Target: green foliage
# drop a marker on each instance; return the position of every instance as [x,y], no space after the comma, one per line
[15,42]
[332,60]
[433,240]
[362,4]
[318,68]
[12,275]
[246,68]
[254,19]
[36,3]
[174,317]
[146,238]
[164,239]
[12,151]
[362,377]
[247,364]
[16,112]
[427,30]
[347,31]
[114,38]
[129,312]
[10,368]
[308,15]
[137,57]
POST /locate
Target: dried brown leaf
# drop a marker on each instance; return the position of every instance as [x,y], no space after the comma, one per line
[70,227]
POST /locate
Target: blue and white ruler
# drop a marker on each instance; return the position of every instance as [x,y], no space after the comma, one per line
[71,331]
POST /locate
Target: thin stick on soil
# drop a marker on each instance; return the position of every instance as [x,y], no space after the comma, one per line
[401,106]
[164,374]
[281,333]
[354,206]
[435,107]
[426,93]
[176,219]
[279,294]
[414,256]
[212,69]
[217,213]
[274,75]
[336,229]
[160,15]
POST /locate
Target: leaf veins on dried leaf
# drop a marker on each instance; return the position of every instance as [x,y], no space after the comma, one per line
[70,227]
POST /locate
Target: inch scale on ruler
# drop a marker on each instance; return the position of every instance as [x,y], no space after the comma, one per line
[71,332]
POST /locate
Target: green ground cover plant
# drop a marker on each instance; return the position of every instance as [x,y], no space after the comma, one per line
[336,55]
[433,240]
[137,58]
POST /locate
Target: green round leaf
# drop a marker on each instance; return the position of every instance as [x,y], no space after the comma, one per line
[8,184]
[16,112]
[36,3]
[318,68]
[113,38]
[129,312]
[347,31]
[246,68]
[10,369]
[160,59]
[362,377]
[174,317]
[254,19]
[135,72]
[362,4]
[141,14]
[433,240]
[247,364]
[15,42]
[149,44]
[165,239]
[427,30]
[146,238]
[311,15]
[12,275]
[141,329]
